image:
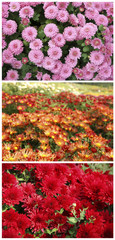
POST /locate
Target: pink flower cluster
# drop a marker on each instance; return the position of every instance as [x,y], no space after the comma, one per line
[91,23]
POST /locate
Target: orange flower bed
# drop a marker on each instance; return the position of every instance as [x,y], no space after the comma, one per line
[62,127]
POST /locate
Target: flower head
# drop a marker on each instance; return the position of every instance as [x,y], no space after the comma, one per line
[10,27]
[51,30]
[29,34]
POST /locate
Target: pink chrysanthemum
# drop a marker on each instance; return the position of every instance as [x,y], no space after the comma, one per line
[36,56]
[87,42]
[14,6]
[12,75]
[51,30]
[51,43]
[4,44]
[103,65]
[47,4]
[81,19]
[110,11]
[48,63]
[88,5]
[5,12]
[7,56]
[108,59]
[10,27]
[65,71]
[96,43]
[29,34]
[16,46]
[103,49]
[88,75]
[55,53]
[36,44]
[109,49]
[76,4]
[70,34]
[24,60]
[98,6]
[80,74]
[107,5]
[101,19]
[51,12]
[39,75]
[25,21]
[57,67]
[28,76]
[62,5]
[88,30]
[62,16]
[46,77]
[74,53]
[57,77]
[105,72]
[91,14]
[3,23]
[91,67]
[71,62]
[59,40]
[96,57]
[26,12]
[73,19]
[78,33]
[16,64]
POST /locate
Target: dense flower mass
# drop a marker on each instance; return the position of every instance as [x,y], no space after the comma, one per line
[64,127]
[57,200]
[57,40]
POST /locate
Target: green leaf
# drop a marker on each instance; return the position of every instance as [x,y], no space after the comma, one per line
[4,207]
[54,230]
[80,42]
[70,8]
[25,43]
[82,213]
[86,49]
[61,211]
[21,27]
[49,231]
[72,230]
[36,16]
[84,55]
[101,27]
[41,34]
[72,220]
[83,44]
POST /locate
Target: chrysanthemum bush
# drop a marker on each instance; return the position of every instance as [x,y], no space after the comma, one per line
[62,127]
[57,200]
[57,41]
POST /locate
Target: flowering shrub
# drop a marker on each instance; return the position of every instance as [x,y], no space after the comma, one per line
[57,201]
[62,127]
[57,41]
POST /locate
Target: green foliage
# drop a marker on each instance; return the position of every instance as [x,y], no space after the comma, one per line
[72,220]
[86,49]
[36,16]
[100,167]
[101,28]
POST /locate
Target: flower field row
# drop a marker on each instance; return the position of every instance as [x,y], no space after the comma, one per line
[61,127]
[57,201]
[57,40]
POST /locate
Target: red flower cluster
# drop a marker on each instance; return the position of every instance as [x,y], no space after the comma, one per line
[56,201]
[63,127]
